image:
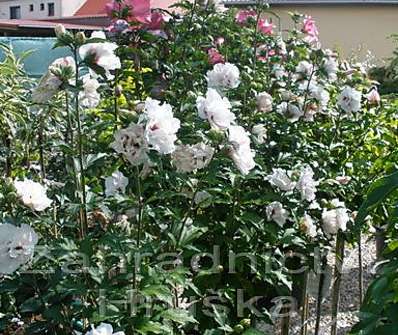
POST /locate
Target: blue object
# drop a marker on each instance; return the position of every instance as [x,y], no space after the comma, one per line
[43,54]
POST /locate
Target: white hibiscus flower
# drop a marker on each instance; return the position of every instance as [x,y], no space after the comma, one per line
[103,329]
[62,70]
[216,109]
[307,185]
[350,100]
[264,102]
[223,76]
[116,183]
[131,143]
[101,54]
[189,158]
[260,133]
[241,153]
[291,111]
[32,194]
[89,97]
[161,126]
[17,246]
[281,180]
[331,66]
[276,212]
[307,225]
[305,68]
[335,219]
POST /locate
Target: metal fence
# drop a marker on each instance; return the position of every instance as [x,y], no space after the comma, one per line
[43,54]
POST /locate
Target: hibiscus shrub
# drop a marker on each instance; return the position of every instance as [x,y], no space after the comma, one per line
[185,161]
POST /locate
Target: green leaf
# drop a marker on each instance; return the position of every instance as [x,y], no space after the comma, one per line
[378,192]
[31,305]
[91,159]
[158,291]
[253,331]
[155,328]
[179,316]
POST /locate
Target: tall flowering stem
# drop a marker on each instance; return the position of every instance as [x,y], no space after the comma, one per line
[70,138]
[9,157]
[185,220]
[8,160]
[307,90]
[259,10]
[191,208]
[83,196]
[70,130]
[41,148]
[188,31]
[139,223]
[116,100]
[337,280]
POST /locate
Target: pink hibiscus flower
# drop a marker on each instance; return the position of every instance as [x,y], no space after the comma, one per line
[138,10]
[310,29]
[266,27]
[215,57]
[243,15]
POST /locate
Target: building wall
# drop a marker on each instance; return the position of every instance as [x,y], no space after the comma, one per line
[62,8]
[351,29]
[70,7]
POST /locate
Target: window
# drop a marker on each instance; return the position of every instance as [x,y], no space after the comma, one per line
[31,8]
[51,9]
[42,6]
[15,12]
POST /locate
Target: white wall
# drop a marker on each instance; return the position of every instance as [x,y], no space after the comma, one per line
[70,7]
[351,29]
[62,8]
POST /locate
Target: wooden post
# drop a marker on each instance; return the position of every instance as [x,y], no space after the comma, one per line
[319,299]
[337,281]
[285,323]
[360,261]
[305,307]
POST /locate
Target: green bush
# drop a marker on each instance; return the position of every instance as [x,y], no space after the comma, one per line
[144,157]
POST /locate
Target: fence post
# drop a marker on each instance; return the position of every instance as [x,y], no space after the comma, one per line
[304,312]
[338,267]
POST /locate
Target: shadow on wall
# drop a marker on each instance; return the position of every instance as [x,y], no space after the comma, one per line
[36,64]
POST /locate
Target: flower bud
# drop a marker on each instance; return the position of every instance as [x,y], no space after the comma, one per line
[245,323]
[120,26]
[118,91]
[343,180]
[239,329]
[260,133]
[373,97]
[81,37]
[59,30]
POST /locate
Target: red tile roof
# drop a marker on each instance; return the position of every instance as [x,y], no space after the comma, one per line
[97,7]
[92,7]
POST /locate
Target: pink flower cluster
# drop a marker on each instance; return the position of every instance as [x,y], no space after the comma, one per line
[133,11]
[263,53]
[243,15]
[263,25]
[215,57]
[310,29]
